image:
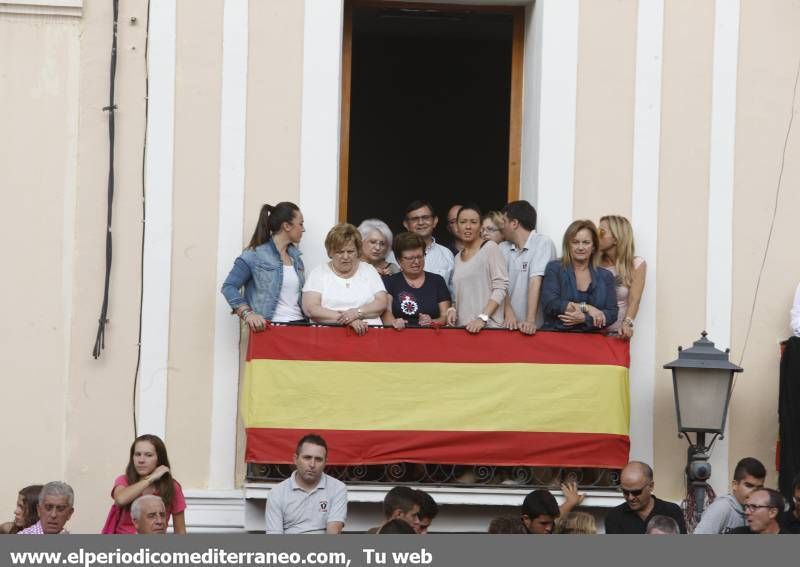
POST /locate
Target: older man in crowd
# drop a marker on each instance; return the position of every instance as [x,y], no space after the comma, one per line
[149,515]
[763,508]
[56,501]
[309,501]
[640,505]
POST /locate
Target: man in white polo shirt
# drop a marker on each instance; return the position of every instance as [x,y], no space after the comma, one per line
[309,501]
[527,259]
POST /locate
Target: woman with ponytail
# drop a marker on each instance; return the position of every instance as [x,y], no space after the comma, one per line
[270,270]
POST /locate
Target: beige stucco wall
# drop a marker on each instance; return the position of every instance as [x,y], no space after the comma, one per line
[683,213]
[56,164]
[604,125]
[768,66]
[39,78]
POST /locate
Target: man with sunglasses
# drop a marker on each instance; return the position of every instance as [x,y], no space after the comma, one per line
[726,513]
[640,505]
[763,508]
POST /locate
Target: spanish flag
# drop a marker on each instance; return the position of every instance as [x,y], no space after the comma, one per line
[438,396]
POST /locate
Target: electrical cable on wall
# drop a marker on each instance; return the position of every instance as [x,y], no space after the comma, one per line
[144,194]
[774,214]
[100,341]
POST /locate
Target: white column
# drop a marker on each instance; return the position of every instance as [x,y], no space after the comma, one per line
[550,107]
[644,217]
[719,280]
[152,394]
[321,110]
[225,381]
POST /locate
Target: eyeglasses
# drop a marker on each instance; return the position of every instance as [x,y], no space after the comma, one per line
[420,218]
[489,229]
[637,492]
[754,507]
[452,221]
[412,258]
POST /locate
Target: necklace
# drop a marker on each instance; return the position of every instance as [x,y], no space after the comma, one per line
[413,284]
[339,275]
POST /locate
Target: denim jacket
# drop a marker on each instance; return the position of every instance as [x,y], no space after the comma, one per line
[260,271]
[559,288]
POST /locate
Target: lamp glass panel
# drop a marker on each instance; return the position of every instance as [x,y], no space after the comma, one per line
[702,395]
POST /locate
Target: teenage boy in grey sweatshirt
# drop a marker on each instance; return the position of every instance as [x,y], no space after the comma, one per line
[726,513]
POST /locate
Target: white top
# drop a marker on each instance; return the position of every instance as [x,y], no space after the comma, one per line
[341,294]
[292,510]
[795,315]
[287,308]
[525,263]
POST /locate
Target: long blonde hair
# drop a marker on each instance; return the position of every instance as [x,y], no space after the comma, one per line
[622,231]
[578,523]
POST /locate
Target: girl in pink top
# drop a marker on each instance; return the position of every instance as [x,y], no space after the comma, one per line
[148,472]
[617,256]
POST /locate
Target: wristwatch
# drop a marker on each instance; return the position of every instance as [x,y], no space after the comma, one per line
[583,307]
[483,317]
[360,313]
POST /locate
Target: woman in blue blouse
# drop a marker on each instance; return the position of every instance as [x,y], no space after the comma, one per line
[577,295]
[270,270]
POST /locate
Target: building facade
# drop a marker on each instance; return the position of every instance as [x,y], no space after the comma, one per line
[677,114]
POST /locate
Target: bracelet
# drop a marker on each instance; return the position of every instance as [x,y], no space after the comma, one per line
[244,313]
[628,322]
[451,308]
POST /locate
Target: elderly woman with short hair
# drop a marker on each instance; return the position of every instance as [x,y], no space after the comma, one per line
[577,294]
[416,297]
[376,238]
[345,290]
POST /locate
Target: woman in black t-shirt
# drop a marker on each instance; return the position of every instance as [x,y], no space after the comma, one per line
[417,297]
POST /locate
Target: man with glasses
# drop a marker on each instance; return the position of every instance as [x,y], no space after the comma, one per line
[763,508]
[726,513]
[528,257]
[421,219]
[640,505]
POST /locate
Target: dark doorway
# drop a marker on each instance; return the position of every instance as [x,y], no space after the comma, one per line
[429,114]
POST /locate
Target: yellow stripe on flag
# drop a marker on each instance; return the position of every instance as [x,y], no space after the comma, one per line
[436,396]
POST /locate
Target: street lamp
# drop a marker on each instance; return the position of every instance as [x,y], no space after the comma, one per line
[702,378]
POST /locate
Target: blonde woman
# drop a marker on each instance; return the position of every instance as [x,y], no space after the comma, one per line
[577,523]
[492,226]
[617,256]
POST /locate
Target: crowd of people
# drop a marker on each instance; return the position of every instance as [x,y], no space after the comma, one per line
[498,272]
[147,496]
[311,501]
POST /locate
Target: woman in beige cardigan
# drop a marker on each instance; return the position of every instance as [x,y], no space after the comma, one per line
[480,277]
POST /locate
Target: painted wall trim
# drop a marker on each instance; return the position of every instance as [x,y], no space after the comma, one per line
[233,129]
[152,389]
[556,113]
[72,8]
[644,217]
[719,278]
[320,123]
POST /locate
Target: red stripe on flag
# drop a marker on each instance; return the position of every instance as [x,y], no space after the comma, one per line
[436,345]
[500,448]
